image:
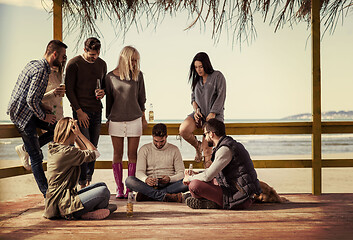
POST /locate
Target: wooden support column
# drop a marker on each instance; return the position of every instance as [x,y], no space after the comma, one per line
[57,20]
[316,98]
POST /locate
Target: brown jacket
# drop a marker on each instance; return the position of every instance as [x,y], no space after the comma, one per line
[63,173]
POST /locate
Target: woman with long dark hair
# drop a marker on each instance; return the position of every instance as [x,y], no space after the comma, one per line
[208,96]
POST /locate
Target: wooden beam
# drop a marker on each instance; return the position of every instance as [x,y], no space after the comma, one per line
[10,131]
[316,98]
[57,20]
[292,163]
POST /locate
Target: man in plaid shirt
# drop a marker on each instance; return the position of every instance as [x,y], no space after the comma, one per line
[27,111]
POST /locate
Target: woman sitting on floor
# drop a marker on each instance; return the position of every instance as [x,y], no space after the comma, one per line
[64,160]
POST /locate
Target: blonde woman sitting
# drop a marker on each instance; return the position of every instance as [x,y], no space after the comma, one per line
[64,160]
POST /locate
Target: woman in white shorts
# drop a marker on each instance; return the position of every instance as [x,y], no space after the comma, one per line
[125,108]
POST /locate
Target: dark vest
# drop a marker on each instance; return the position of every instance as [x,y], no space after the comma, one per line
[238,179]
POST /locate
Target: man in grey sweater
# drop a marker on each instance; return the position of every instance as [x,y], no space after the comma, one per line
[159,170]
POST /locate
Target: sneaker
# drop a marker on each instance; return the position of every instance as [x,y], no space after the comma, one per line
[196,203]
[173,197]
[23,156]
[142,198]
[96,215]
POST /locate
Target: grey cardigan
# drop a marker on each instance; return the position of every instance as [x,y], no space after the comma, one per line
[210,97]
[125,99]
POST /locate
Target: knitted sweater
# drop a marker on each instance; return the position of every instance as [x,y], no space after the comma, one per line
[125,99]
[81,81]
[210,97]
[155,162]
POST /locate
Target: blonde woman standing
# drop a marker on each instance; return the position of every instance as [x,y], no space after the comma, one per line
[125,109]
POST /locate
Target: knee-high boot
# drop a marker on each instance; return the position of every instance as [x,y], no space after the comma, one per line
[118,176]
[131,172]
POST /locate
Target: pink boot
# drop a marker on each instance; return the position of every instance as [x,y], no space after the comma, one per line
[131,172]
[118,175]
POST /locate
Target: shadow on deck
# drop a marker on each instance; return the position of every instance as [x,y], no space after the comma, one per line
[329,216]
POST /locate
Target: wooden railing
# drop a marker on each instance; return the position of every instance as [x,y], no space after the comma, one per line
[9,131]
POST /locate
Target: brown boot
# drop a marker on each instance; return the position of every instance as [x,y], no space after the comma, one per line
[173,197]
[143,198]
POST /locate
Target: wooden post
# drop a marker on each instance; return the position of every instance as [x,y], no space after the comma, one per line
[57,20]
[316,98]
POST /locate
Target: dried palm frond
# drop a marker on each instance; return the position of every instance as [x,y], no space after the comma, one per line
[236,16]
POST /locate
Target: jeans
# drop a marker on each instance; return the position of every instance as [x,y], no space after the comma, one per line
[137,185]
[92,134]
[93,197]
[33,143]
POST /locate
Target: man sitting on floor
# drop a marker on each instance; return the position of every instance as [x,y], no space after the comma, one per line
[231,181]
[159,170]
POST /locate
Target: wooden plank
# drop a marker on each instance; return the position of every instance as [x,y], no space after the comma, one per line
[337,127]
[305,216]
[293,163]
[10,131]
[16,171]
[316,97]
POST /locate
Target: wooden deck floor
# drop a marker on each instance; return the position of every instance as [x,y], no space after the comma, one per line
[329,216]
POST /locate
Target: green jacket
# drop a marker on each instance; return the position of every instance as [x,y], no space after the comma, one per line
[63,171]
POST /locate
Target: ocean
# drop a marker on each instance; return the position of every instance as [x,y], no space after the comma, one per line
[273,146]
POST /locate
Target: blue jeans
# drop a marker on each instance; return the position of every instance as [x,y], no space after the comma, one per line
[92,134]
[137,185]
[33,143]
[93,197]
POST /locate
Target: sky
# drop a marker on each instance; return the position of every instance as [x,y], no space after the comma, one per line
[270,78]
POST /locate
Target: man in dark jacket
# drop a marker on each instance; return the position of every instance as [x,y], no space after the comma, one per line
[231,181]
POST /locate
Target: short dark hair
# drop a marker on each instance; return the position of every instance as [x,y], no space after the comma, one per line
[215,126]
[54,45]
[92,43]
[206,64]
[159,130]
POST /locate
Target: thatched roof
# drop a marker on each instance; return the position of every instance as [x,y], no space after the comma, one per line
[234,16]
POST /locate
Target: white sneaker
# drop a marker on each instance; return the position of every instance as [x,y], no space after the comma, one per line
[23,156]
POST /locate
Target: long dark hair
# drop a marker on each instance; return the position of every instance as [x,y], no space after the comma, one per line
[206,64]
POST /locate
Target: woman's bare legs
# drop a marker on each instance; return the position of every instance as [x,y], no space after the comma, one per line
[186,130]
[207,153]
[133,143]
[118,147]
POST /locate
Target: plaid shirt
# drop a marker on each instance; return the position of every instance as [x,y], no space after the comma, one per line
[28,93]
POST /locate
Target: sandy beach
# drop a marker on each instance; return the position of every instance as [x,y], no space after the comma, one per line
[334,180]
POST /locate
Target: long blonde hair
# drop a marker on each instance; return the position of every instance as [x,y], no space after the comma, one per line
[62,130]
[125,67]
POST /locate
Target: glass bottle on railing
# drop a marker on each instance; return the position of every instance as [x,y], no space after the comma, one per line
[151,114]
